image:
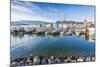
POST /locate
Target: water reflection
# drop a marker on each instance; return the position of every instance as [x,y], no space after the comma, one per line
[23,45]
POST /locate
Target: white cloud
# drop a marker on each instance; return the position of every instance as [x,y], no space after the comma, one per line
[25,11]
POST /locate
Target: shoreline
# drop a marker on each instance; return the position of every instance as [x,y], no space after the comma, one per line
[42,60]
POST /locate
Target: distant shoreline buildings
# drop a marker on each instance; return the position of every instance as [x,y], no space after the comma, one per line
[84,27]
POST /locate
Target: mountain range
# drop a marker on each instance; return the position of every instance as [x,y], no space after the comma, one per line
[27,22]
[15,23]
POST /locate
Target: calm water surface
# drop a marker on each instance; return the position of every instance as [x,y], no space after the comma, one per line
[50,45]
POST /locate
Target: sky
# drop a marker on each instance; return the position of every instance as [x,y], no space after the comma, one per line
[50,12]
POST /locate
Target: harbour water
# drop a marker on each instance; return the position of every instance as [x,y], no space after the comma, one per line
[24,45]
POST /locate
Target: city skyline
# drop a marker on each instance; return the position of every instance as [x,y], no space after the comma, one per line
[50,12]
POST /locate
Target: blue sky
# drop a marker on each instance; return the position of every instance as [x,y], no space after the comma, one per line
[50,12]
